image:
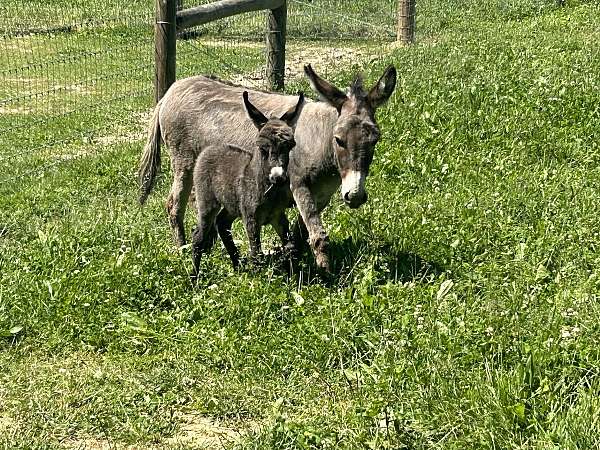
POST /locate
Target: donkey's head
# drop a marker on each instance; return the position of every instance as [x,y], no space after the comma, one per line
[275,138]
[356,132]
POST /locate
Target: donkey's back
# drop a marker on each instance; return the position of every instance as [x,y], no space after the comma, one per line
[201,111]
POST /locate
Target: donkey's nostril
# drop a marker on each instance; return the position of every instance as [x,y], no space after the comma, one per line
[354,201]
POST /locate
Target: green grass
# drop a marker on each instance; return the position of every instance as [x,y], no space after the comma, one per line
[463,312]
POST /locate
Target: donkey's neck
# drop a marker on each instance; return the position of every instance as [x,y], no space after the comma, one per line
[314,138]
[258,172]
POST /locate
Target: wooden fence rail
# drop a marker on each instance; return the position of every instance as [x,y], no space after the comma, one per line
[210,12]
[169,21]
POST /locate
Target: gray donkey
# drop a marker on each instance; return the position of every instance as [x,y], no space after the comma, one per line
[232,182]
[335,142]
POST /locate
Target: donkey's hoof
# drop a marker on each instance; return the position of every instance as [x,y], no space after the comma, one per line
[251,263]
[291,252]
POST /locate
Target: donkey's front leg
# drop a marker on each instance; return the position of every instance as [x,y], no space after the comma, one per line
[253,232]
[299,235]
[281,225]
[317,236]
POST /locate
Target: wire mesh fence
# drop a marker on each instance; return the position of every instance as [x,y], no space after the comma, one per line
[326,33]
[76,76]
[72,75]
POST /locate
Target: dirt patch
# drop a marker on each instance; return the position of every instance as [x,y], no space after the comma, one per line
[254,79]
[76,88]
[204,432]
[103,444]
[120,138]
[14,110]
[195,431]
[6,424]
[120,134]
[224,43]
[19,44]
[321,57]
[89,444]
[124,134]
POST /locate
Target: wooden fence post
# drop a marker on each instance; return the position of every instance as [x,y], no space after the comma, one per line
[276,29]
[406,21]
[165,41]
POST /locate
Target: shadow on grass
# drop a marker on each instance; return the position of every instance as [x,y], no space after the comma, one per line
[351,258]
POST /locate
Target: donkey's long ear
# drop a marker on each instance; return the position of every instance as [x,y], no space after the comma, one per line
[257,117]
[382,90]
[328,91]
[292,115]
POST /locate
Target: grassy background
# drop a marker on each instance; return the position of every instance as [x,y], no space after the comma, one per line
[464,308]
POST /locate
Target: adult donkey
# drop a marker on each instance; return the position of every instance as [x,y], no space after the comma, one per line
[335,142]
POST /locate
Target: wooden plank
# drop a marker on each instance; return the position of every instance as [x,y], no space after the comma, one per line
[210,12]
[165,36]
[276,29]
[406,21]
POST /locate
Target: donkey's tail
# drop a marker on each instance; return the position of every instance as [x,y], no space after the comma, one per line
[150,162]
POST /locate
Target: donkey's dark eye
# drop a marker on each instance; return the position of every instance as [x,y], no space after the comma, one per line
[340,142]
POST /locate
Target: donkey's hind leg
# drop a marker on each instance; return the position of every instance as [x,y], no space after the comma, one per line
[224,222]
[203,238]
[178,197]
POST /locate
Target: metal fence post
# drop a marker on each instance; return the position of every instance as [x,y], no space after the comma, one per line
[276,29]
[406,21]
[165,39]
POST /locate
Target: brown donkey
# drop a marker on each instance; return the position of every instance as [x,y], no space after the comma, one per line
[335,142]
[232,182]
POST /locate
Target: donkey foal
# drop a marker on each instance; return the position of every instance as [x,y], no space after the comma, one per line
[232,182]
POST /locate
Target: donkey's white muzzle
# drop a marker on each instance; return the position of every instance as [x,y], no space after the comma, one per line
[353,189]
[277,175]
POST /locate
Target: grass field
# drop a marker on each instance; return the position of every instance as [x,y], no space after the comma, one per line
[463,312]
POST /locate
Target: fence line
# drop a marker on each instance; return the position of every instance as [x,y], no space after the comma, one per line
[68,69]
[70,73]
[74,69]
